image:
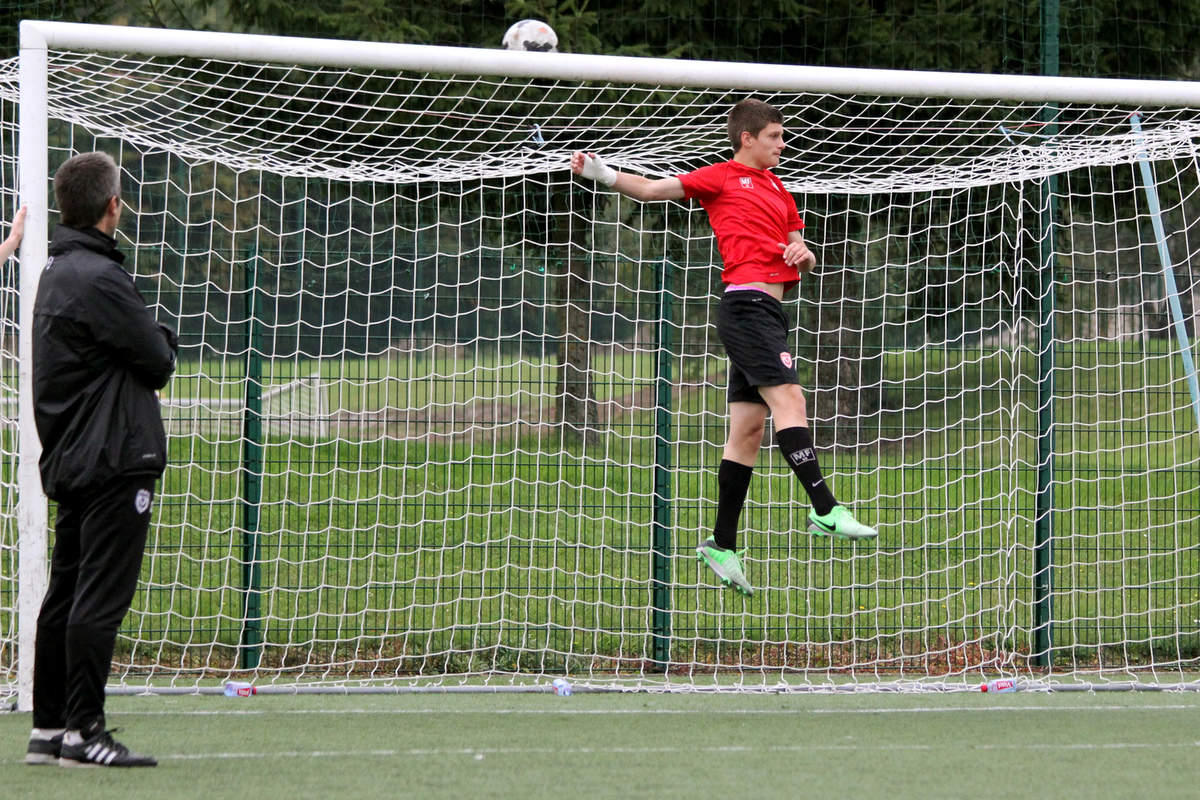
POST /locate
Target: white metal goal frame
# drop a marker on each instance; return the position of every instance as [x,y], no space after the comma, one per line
[37,38]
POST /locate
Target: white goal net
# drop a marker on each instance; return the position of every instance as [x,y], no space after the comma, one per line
[444,414]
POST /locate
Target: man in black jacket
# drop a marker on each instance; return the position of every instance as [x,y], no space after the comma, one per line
[98,358]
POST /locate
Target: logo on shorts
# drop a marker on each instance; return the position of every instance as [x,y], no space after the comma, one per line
[747,182]
[786,358]
[141,501]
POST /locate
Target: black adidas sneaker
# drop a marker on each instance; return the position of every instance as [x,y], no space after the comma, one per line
[102,750]
[43,749]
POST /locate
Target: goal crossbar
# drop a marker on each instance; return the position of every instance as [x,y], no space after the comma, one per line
[622,69]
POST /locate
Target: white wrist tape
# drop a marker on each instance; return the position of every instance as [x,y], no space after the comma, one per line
[595,168]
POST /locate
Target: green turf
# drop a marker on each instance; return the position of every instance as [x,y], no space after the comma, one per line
[959,745]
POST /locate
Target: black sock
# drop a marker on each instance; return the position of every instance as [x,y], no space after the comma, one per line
[733,481]
[796,444]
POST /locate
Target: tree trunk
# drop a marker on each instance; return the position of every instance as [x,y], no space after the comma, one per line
[846,399]
[577,412]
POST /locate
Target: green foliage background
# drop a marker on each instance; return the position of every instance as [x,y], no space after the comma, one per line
[1099,38]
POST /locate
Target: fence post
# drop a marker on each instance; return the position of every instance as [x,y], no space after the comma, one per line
[1043,570]
[252,467]
[661,536]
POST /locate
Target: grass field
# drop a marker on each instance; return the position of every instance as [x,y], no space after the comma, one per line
[955,745]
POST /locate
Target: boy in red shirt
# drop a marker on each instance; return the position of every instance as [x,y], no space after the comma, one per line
[758,234]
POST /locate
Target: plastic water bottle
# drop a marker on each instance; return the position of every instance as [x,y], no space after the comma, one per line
[562,687]
[998,685]
[240,689]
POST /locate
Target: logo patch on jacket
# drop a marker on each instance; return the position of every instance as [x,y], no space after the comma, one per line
[141,501]
[786,358]
[747,182]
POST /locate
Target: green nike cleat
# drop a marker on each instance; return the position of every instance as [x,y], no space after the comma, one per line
[727,565]
[839,522]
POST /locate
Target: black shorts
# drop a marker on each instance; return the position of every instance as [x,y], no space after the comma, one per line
[754,331]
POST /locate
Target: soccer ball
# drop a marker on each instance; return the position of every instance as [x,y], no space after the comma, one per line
[530,34]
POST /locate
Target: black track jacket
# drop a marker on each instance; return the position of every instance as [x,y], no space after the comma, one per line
[98,357]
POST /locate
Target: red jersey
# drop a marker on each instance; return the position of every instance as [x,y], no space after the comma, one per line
[751,214]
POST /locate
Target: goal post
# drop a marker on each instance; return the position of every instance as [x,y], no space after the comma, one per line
[446,415]
[31,529]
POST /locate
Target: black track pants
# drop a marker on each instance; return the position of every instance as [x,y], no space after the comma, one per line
[100,537]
